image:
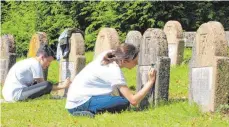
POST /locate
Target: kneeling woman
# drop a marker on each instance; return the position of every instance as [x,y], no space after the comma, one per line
[90,90]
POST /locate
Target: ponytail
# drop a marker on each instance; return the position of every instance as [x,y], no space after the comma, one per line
[109,58]
[125,51]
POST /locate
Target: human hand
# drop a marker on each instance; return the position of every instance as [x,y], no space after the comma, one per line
[151,75]
[66,83]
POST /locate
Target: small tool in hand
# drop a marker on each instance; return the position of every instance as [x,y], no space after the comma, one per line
[153,65]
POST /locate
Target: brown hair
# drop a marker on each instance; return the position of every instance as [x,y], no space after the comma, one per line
[125,51]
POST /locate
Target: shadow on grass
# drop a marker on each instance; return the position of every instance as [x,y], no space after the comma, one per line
[159,104]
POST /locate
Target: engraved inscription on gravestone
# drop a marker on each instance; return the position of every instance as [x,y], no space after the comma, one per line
[149,54]
[67,70]
[144,73]
[172,51]
[202,84]
[202,44]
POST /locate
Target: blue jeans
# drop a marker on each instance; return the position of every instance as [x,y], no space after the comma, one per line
[102,103]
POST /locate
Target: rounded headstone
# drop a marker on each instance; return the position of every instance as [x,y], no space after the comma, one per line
[174,35]
[134,37]
[7,55]
[107,39]
[210,42]
[37,40]
[154,44]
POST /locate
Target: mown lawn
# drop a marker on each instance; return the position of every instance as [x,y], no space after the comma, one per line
[47,112]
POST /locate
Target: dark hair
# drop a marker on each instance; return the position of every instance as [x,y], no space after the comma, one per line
[46,51]
[125,51]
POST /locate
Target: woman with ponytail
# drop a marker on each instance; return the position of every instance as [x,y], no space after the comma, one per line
[90,90]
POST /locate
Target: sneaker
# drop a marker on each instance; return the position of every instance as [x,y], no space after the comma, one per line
[84,113]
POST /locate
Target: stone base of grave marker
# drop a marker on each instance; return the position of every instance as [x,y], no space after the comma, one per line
[162,80]
[70,68]
[176,52]
[210,85]
[222,82]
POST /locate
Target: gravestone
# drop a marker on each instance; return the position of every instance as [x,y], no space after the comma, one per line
[75,62]
[7,55]
[107,39]
[154,50]
[134,37]
[209,67]
[227,36]
[189,38]
[38,39]
[174,35]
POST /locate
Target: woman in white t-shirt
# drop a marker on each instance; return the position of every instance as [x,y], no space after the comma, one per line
[25,79]
[90,90]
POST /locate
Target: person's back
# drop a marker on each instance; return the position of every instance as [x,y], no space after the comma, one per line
[25,79]
[90,92]
[95,79]
[20,76]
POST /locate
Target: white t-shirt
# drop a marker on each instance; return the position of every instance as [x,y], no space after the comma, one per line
[21,75]
[95,79]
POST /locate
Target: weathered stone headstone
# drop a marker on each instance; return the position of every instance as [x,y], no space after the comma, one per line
[154,50]
[209,67]
[134,37]
[227,36]
[75,62]
[189,38]
[38,39]
[174,35]
[7,55]
[107,39]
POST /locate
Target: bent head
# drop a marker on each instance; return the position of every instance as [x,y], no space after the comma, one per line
[126,55]
[45,56]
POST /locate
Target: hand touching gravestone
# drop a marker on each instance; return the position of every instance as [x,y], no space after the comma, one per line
[74,63]
[154,50]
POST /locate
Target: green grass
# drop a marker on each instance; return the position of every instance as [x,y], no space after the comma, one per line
[46,112]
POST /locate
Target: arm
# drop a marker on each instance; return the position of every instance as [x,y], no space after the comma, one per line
[38,80]
[135,99]
[65,84]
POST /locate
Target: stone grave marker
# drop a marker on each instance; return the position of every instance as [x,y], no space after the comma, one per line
[7,55]
[75,62]
[107,39]
[227,36]
[154,50]
[174,35]
[134,37]
[189,38]
[209,67]
[38,39]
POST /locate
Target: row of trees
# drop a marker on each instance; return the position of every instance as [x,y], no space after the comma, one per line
[23,19]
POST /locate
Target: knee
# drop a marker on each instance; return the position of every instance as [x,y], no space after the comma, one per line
[48,85]
[125,103]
